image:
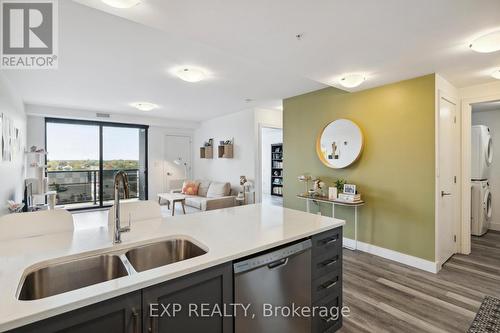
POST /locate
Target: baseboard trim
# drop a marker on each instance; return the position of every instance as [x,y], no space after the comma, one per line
[495,226]
[425,265]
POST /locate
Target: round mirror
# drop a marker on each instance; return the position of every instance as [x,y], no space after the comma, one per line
[339,144]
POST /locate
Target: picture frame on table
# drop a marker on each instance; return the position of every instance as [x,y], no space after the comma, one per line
[350,189]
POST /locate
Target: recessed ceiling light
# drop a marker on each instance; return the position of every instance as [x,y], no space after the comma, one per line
[248,100]
[144,106]
[352,80]
[123,4]
[190,74]
[487,43]
[496,74]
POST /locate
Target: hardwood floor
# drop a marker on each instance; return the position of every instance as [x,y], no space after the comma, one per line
[385,296]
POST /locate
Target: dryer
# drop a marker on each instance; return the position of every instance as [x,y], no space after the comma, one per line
[481,152]
[481,209]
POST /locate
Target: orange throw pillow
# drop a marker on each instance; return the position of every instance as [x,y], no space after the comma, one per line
[190,188]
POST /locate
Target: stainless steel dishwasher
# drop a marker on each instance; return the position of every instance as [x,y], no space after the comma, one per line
[279,278]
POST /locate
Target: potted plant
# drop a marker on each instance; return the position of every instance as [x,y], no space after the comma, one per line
[339,184]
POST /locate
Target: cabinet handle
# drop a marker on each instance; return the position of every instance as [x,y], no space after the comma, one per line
[327,320]
[329,262]
[152,323]
[328,286]
[135,320]
[331,241]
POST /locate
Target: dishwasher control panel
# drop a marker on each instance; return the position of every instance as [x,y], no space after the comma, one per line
[268,258]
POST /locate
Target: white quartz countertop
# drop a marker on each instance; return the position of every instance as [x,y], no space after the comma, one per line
[226,234]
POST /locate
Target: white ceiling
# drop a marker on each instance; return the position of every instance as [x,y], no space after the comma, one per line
[251,51]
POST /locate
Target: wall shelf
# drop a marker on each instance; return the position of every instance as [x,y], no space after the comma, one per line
[225,151]
[207,152]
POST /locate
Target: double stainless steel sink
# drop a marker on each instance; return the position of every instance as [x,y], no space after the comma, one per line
[62,277]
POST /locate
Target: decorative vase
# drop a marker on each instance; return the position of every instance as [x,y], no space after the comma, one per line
[332,193]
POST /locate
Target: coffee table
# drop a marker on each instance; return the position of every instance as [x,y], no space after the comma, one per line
[171,199]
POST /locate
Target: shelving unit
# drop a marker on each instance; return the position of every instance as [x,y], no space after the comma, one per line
[36,174]
[277,169]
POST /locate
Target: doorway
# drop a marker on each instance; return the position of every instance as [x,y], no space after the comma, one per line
[272,166]
[477,112]
[485,164]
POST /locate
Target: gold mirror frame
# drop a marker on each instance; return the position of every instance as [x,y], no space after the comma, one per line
[320,153]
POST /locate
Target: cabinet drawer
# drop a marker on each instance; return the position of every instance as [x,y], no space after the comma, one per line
[326,263]
[327,285]
[327,242]
[329,323]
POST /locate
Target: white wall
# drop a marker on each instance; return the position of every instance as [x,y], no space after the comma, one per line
[481,91]
[157,163]
[240,126]
[492,120]
[159,128]
[244,126]
[269,136]
[12,173]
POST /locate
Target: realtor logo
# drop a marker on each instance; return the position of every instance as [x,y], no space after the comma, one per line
[29,34]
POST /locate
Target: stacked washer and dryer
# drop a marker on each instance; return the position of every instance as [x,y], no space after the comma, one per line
[481,158]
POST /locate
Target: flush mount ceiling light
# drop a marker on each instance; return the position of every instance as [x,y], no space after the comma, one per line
[122,4]
[190,74]
[352,80]
[144,106]
[496,74]
[487,43]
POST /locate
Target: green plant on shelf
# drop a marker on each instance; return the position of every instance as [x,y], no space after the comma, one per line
[339,184]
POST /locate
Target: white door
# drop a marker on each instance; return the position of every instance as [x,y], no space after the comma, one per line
[177,148]
[448,195]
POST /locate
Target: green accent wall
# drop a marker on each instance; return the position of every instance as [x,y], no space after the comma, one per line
[395,173]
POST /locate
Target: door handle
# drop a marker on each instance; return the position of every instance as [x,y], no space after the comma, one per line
[444,194]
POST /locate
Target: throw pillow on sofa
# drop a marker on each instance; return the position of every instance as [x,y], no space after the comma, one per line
[190,187]
[203,188]
[217,190]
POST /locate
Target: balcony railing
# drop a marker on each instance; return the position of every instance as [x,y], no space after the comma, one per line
[78,187]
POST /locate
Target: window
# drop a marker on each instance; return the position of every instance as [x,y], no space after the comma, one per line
[84,156]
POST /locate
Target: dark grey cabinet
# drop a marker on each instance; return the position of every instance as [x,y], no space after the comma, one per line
[209,289]
[198,302]
[193,298]
[326,273]
[117,315]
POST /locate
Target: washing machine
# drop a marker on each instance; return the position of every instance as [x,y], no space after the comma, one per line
[481,208]
[481,152]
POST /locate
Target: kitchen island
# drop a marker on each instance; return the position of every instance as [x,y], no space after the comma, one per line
[224,236]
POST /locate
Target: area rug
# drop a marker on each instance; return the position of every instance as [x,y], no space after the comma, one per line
[488,317]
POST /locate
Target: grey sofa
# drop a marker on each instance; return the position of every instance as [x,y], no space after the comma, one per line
[211,195]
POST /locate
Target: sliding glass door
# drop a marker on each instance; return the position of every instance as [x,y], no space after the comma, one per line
[121,150]
[83,158]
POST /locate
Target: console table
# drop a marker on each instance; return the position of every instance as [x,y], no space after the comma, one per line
[334,203]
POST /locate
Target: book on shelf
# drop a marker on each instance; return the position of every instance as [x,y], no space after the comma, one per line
[349,197]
